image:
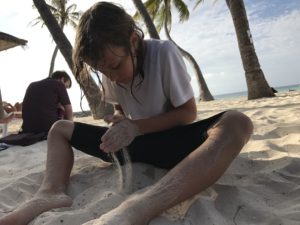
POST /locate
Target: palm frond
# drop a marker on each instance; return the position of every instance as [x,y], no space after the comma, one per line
[137,16]
[61,12]
[160,18]
[182,9]
[71,8]
[197,3]
[73,24]
[37,21]
[52,8]
[75,16]
[152,7]
[59,4]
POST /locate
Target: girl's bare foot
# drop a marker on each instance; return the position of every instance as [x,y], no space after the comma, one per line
[130,212]
[40,203]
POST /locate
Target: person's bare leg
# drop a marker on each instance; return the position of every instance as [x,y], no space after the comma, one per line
[60,158]
[202,168]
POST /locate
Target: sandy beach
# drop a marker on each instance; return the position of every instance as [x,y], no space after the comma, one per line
[261,187]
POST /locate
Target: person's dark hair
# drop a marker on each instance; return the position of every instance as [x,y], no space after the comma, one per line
[61,74]
[101,26]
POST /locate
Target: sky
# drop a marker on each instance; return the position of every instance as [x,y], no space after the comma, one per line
[208,35]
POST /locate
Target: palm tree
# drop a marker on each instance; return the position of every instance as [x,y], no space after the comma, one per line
[160,11]
[147,19]
[64,15]
[257,85]
[205,94]
[89,86]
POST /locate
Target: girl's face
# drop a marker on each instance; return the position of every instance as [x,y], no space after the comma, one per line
[116,65]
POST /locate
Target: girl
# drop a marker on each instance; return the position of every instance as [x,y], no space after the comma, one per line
[155,112]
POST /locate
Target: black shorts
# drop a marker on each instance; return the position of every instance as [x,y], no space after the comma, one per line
[162,149]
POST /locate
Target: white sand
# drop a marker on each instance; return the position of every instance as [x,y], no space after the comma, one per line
[262,186]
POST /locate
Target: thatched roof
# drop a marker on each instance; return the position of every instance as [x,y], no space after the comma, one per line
[8,41]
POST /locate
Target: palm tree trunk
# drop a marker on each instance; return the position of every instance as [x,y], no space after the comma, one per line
[147,19]
[52,63]
[258,86]
[53,60]
[89,86]
[204,92]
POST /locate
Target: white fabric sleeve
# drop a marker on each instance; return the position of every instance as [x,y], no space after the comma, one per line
[176,79]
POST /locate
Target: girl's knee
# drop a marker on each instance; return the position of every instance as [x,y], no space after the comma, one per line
[235,125]
[62,128]
[238,123]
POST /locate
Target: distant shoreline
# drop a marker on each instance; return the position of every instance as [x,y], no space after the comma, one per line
[281,89]
[228,96]
[82,113]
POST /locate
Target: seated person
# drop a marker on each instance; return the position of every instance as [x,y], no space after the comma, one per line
[6,115]
[41,102]
[18,106]
[15,111]
[8,107]
[6,118]
[61,112]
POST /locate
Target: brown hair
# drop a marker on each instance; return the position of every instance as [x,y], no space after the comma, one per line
[61,74]
[102,25]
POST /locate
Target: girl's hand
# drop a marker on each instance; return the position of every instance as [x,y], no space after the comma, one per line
[119,135]
[114,118]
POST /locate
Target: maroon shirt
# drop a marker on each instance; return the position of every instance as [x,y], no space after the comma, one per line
[40,103]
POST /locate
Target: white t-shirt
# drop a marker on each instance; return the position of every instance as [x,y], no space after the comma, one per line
[166,83]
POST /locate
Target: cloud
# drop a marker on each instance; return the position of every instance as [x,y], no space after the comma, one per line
[210,37]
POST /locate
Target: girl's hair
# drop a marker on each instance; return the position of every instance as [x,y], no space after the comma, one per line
[101,26]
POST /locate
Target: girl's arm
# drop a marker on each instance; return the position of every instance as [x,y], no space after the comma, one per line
[184,114]
[123,131]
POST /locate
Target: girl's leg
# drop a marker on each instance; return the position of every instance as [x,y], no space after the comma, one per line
[199,170]
[51,194]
